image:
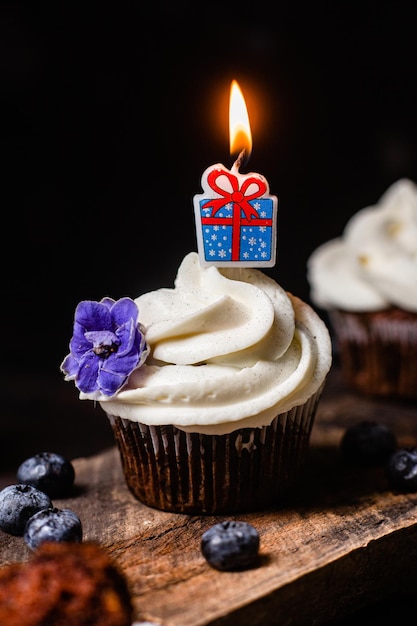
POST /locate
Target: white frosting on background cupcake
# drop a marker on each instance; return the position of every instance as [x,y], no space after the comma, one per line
[373,265]
[229,349]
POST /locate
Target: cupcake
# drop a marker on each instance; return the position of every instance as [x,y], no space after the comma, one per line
[211,387]
[366,281]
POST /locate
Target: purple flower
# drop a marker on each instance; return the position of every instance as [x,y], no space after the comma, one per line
[106,346]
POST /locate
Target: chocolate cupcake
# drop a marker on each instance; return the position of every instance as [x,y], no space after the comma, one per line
[366,281]
[213,394]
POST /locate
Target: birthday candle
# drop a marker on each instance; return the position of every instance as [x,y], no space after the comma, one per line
[235,215]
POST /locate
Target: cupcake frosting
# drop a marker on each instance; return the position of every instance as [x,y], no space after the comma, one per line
[373,265]
[229,348]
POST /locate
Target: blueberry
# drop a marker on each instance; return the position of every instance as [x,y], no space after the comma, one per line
[401,469]
[230,545]
[17,504]
[368,444]
[52,524]
[48,471]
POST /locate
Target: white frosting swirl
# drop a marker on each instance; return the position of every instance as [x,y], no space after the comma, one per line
[229,349]
[373,265]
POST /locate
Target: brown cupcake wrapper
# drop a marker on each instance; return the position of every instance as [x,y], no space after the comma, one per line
[378,351]
[248,469]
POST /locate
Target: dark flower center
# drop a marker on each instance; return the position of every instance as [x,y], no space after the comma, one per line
[105,342]
[104,351]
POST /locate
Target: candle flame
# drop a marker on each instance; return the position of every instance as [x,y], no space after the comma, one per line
[239,127]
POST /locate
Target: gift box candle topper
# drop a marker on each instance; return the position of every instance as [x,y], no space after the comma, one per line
[235,215]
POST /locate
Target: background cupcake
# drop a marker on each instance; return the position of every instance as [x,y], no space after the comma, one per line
[366,281]
[212,396]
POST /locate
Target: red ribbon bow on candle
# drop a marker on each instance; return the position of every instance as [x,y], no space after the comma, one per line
[236,196]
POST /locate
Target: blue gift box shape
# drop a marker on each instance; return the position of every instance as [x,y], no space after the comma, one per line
[235,219]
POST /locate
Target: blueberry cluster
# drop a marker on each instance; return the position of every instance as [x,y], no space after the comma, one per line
[26,508]
[370,444]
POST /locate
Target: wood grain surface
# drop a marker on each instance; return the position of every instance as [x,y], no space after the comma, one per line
[341,541]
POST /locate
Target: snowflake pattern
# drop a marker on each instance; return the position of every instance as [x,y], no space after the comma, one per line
[255,240]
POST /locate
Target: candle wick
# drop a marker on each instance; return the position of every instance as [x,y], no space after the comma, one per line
[239,159]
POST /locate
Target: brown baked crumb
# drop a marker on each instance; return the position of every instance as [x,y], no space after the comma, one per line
[65,584]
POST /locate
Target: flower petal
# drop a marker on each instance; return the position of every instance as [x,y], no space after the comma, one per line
[125,365]
[93,315]
[126,335]
[88,373]
[102,338]
[110,382]
[69,367]
[108,302]
[79,343]
[144,349]
[123,310]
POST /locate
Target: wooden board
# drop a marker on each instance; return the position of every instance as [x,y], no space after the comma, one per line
[342,541]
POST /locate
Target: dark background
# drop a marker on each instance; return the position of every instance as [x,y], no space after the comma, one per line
[111,113]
